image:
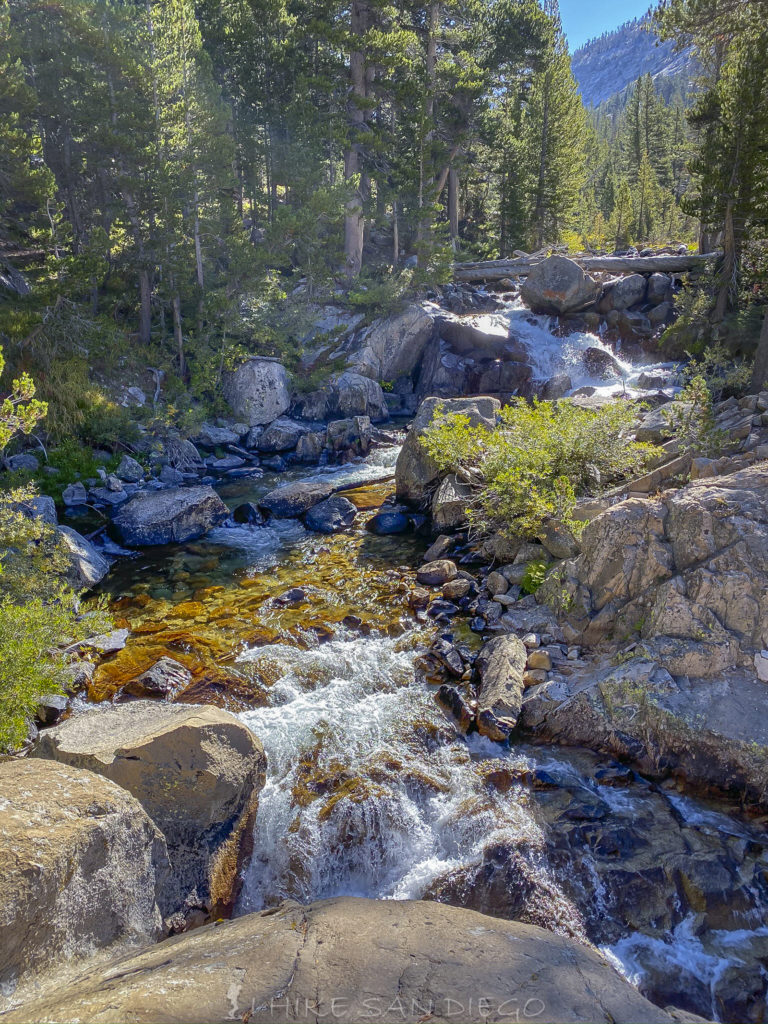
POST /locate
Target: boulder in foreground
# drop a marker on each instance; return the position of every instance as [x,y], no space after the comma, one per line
[351,960]
[196,771]
[80,864]
[169,517]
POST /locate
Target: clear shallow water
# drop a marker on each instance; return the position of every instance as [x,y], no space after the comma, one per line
[371,792]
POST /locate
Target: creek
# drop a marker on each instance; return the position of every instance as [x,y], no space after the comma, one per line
[372,792]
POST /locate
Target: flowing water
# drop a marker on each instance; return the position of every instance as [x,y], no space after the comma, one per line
[372,792]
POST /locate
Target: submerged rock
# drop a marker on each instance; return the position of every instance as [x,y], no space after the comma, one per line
[169,517]
[354,959]
[80,866]
[164,679]
[197,772]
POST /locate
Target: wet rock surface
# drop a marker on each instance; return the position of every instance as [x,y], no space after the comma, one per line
[166,517]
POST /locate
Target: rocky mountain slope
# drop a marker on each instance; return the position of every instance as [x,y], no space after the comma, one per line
[605,66]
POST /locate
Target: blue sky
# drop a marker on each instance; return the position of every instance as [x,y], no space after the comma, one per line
[584,19]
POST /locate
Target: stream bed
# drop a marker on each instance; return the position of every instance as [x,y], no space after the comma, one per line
[372,792]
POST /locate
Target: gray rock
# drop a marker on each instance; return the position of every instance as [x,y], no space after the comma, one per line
[51,707]
[329,516]
[258,391]
[248,513]
[169,517]
[628,291]
[430,961]
[104,496]
[74,494]
[602,364]
[450,503]
[415,471]
[210,436]
[172,477]
[659,289]
[435,574]
[164,679]
[353,433]
[387,523]
[196,771]
[556,387]
[557,285]
[42,508]
[282,435]
[80,865]
[654,426]
[293,500]
[24,461]
[89,566]
[392,347]
[357,395]
[310,446]
[500,665]
[129,470]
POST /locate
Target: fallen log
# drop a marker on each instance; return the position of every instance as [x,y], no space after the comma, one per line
[497,270]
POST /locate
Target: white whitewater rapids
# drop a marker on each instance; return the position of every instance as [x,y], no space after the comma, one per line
[550,355]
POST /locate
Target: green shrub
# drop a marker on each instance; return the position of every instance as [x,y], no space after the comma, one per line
[536,462]
[692,421]
[39,615]
[535,574]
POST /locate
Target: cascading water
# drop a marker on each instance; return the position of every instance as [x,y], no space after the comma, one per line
[371,792]
[550,354]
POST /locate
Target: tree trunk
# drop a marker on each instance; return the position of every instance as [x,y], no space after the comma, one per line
[354,222]
[145,306]
[760,367]
[453,207]
[178,335]
[395,236]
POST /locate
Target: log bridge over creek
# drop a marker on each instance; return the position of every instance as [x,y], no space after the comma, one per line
[497,270]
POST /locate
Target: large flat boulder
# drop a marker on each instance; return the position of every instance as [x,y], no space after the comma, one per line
[416,472]
[80,866]
[557,285]
[292,500]
[686,574]
[393,346]
[258,391]
[169,517]
[351,960]
[197,772]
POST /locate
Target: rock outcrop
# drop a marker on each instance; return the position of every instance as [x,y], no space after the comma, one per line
[80,867]
[557,285]
[196,771]
[346,394]
[352,960]
[416,471]
[686,574]
[392,347]
[169,517]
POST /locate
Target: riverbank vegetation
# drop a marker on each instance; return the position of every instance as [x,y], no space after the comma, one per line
[533,466]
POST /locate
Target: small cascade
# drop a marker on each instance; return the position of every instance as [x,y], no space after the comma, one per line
[551,355]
